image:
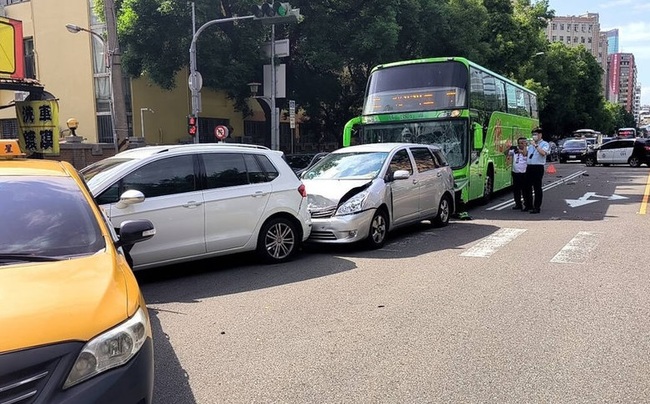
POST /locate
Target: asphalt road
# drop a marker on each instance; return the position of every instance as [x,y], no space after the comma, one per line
[506,307]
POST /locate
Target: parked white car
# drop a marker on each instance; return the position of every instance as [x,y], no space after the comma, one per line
[205,200]
[363,192]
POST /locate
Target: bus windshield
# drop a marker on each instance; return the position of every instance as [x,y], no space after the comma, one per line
[450,135]
[417,87]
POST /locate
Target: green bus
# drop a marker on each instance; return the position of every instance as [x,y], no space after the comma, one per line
[472,113]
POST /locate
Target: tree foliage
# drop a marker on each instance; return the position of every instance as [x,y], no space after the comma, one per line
[339,41]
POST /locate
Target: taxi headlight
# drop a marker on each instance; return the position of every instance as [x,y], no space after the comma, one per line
[353,205]
[113,348]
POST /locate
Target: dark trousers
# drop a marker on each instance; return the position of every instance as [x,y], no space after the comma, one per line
[534,175]
[518,188]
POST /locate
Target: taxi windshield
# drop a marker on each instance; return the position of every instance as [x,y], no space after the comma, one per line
[46,217]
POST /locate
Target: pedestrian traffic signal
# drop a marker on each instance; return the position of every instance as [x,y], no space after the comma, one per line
[191,125]
[275,12]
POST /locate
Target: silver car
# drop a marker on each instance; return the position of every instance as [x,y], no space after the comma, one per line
[360,193]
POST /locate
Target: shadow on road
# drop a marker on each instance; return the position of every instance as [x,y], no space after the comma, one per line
[413,241]
[168,368]
[227,275]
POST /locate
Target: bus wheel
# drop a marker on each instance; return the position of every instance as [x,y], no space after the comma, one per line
[488,188]
[634,162]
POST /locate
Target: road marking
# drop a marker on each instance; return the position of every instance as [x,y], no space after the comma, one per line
[584,199]
[507,204]
[646,194]
[491,244]
[578,249]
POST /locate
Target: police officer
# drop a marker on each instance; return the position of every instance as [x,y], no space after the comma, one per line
[537,151]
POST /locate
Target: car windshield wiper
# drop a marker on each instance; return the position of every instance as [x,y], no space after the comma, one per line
[28,258]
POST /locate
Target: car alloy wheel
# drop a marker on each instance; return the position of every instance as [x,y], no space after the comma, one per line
[590,162]
[634,162]
[277,241]
[378,230]
[444,212]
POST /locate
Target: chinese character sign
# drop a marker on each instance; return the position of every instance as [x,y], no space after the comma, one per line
[38,126]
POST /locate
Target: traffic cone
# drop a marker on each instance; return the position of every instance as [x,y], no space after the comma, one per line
[551,169]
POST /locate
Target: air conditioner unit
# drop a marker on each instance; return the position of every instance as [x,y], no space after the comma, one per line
[20,95]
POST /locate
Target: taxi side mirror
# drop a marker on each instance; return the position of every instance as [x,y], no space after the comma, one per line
[135,231]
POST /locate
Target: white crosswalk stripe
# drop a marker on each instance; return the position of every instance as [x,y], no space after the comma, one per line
[491,244]
[577,250]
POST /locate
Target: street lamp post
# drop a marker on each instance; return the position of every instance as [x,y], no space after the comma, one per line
[107,65]
[195,80]
[142,118]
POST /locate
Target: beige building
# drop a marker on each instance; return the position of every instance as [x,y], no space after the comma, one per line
[72,68]
[582,30]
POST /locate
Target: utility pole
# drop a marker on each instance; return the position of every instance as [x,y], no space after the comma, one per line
[115,64]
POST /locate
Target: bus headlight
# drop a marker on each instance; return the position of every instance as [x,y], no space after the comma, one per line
[353,205]
[113,348]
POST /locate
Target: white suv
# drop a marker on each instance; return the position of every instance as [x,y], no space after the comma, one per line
[204,200]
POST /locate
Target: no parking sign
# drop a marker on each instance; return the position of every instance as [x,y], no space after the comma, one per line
[221,132]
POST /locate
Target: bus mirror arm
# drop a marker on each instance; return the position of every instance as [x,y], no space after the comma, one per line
[478,136]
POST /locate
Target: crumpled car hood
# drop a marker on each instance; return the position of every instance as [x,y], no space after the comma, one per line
[329,193]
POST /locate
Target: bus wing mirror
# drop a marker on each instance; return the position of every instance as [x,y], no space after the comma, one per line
[478,136]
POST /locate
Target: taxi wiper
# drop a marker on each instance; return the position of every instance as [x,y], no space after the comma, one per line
[28,258]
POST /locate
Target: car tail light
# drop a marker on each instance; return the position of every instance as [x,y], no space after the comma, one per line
[302,190]
[647,148]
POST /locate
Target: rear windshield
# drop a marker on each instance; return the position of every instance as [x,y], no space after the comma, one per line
[46,217]
[569,144]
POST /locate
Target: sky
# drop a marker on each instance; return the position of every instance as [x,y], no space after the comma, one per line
[631,17]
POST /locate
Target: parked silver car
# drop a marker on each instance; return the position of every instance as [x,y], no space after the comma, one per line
[206,200]
[363,192]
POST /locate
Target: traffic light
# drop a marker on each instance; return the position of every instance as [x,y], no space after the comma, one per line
[191,125]
[275,12]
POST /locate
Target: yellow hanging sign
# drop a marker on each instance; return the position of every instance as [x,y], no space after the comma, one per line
[38,126]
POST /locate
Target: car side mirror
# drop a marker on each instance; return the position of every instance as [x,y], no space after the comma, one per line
[401,175]
[135,231]
[129,198]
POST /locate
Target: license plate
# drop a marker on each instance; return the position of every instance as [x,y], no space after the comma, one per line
[572,157]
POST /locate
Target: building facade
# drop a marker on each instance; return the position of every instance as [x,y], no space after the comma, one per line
[582,30]
[621,80]
[612,41]
[72,67]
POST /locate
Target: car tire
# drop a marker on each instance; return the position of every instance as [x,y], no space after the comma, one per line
[378,230]
[590,162]
[278,240]
[634,162]
[444,212]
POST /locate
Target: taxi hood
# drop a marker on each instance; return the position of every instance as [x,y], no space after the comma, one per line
[327,193]
[68,300]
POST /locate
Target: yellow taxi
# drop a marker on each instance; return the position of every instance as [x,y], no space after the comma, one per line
[74,327]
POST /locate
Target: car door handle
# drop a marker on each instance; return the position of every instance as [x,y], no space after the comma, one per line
[439,174]
[415,182]
[192,204]
[259,193]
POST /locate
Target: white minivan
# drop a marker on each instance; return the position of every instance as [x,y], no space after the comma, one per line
[205,200]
